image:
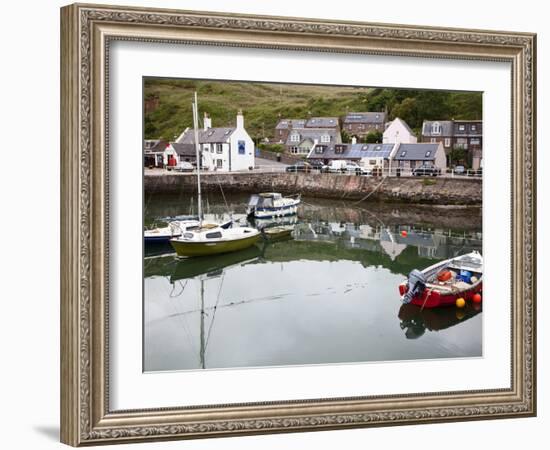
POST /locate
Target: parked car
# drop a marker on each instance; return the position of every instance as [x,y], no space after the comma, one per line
[316,165]
[459,170]
[300,166]
[184,166]
[352,167]
[475,173]
[426,170]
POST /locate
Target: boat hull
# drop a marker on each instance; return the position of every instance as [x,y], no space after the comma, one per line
[429,299]
[184,248]
[270,213]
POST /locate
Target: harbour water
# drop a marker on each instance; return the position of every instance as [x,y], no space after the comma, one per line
[328,295]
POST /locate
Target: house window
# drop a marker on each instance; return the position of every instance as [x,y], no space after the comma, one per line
[436,128]
[474,141]
[350,127]
[219,163]
[242,147]
[293,149]
[219,149]
[428,153]
[473,128]
[378,147]
[294,137]
[339,149]
[320,149]
[403,153]
[461,127]
[433,140]
[447,142]
[372,162]
[325,138]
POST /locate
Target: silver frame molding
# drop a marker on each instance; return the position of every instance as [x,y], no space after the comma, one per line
[86,31]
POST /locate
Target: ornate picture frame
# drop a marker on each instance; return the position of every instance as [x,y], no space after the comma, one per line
[86,34]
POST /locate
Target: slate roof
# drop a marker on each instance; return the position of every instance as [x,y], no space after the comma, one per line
[154,145]
[446,128]
[184,149]
[468,132]
[209,136]
[322,122]
[314,133]
[416,152]
[353,151]
[285,124]
[365,117]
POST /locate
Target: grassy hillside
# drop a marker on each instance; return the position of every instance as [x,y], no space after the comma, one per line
[263,104]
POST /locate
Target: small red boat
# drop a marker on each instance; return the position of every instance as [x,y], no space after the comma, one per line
[444,282]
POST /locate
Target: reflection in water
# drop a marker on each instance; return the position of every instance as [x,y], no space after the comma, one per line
[329,295]
[415,320]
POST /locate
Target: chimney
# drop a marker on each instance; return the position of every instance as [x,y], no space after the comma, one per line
[353,140]
[240,120]
[207,121]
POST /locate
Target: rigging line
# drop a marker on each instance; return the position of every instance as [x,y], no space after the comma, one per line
[372,192]
[224,199]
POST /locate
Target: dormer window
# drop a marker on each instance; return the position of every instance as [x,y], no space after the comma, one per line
[436,128]
[325,138]
[319,149]
[294,137]
[339,149]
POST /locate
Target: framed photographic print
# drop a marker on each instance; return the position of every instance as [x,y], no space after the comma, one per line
[282,224]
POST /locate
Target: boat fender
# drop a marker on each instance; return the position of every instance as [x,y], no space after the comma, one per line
[444,275]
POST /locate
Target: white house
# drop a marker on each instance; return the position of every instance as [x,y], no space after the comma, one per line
[398,132]
[223,149]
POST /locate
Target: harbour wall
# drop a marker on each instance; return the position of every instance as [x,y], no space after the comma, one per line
[437,190]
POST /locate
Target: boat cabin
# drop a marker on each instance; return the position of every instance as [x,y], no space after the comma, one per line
[264,200]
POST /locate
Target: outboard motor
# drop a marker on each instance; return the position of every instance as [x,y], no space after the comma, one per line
[416,284]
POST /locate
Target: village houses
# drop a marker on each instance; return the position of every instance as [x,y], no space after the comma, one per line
[300,135]
[457,134]
[360,124]
[223,148]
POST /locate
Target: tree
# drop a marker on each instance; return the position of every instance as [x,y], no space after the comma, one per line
[457,156]
[373,137]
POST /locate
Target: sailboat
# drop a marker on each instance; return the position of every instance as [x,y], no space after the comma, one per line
[211,238]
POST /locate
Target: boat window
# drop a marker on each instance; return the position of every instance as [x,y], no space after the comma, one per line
[214,235]
[188,235]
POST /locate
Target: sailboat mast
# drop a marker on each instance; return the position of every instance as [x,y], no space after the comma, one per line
[202,349]
[198,155]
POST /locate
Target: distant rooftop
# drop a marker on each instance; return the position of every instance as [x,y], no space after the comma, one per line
[211,135]
[365,117]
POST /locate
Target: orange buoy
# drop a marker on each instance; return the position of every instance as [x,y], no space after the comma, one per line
[460,302]
[444,275]
[404,233]
[477,298]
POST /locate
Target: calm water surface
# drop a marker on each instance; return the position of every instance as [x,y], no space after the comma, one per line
[328,295]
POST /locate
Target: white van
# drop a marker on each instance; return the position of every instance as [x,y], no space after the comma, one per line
[337,165]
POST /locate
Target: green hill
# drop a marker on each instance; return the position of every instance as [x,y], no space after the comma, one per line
[263,104]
